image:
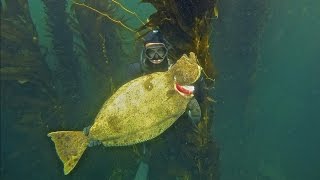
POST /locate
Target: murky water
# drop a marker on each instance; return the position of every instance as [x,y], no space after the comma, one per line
[267,93]
[267,120]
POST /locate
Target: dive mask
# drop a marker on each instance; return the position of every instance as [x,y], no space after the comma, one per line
[155,52]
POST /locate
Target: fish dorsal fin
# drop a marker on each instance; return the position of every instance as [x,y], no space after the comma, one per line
[70,146]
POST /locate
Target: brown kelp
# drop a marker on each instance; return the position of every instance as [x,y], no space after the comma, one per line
[187,25]
[77,47]
[98,47]
[40,93]
[22,64]
[98,32]
[64,65]
[27,89]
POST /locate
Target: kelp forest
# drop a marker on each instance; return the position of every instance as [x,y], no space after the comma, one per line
[62,80]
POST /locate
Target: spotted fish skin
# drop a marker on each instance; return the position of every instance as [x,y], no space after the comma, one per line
[144,107]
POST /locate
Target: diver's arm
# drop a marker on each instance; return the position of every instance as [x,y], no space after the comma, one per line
[134,71]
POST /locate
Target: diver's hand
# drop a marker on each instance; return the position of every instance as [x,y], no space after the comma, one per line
[86,130]
[194,111]
[92,143]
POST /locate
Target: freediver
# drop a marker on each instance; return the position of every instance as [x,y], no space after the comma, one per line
[154,58]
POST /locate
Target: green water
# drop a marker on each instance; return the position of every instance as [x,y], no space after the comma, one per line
[266,120]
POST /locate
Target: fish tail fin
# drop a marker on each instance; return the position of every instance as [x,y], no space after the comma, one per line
[70,146]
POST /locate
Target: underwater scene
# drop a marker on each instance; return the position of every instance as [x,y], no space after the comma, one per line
[160,90]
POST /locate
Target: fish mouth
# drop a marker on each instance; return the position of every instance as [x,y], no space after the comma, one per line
[184,90]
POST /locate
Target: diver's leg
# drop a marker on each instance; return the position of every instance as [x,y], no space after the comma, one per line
[92,142]
[143,169]
[146,153]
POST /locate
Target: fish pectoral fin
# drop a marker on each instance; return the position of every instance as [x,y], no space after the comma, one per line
[70,145]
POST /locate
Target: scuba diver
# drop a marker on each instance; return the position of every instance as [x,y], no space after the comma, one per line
[154,58]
